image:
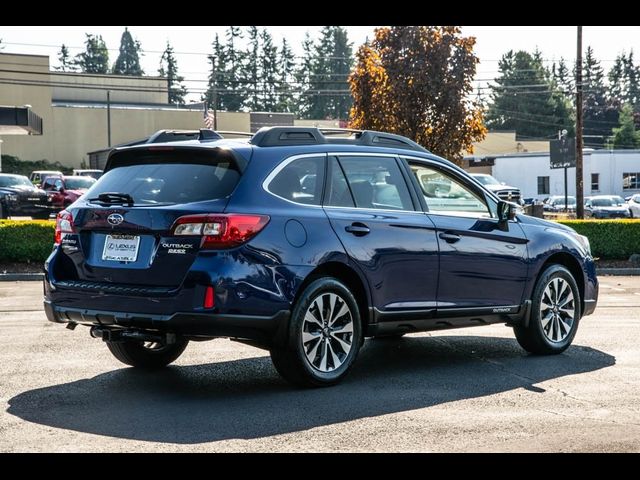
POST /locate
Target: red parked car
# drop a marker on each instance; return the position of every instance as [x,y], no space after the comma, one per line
[64,190]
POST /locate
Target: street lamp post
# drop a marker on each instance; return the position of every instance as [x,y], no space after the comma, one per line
[0,155]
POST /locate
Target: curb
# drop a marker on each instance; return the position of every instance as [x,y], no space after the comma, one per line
[618,271]
[20,277]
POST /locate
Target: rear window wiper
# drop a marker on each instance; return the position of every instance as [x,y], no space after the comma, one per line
[113,198]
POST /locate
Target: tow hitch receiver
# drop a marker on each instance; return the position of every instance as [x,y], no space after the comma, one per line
[120,335]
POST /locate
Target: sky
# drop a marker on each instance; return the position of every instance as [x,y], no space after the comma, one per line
[193,43]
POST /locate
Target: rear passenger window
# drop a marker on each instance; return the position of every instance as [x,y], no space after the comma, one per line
[339,194]
[376,182]
[300,181]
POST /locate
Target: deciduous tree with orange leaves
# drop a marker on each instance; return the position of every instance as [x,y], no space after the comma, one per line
[417,82]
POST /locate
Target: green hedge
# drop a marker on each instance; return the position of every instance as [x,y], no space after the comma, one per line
[610,239]
[11,164]
[26,241]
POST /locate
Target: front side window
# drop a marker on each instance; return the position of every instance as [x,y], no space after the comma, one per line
[300,181]
[376,182]
[447,195]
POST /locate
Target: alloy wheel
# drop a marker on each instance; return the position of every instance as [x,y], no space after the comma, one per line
[327,332]
[557,310]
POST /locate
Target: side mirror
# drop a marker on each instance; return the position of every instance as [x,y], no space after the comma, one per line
[506,211]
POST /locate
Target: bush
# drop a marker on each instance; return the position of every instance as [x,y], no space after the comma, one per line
[26,241]
[11,164]
[610,239]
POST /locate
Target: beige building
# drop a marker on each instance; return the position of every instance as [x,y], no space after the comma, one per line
[73,108]
[502,142]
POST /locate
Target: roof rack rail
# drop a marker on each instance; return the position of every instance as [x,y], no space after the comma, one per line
[283,136]
[163,136]
[233,132]
[338,131]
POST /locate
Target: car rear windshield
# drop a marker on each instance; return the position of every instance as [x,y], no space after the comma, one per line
[167,183]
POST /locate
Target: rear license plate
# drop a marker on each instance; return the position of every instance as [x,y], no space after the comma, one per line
[121,248]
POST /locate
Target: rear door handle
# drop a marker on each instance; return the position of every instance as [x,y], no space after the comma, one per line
[358,229]
[449,237]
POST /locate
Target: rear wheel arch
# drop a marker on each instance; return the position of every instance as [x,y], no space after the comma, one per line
[347,275]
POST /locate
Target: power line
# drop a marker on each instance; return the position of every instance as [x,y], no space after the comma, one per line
[22,44]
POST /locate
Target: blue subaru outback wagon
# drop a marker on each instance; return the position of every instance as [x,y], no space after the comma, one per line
[304,242]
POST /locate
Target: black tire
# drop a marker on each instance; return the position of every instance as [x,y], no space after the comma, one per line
[291,361]
[533,337]
[137,354]
[3,212]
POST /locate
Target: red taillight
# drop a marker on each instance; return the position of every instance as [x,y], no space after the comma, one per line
[208,297]
[64,224]
[220,230]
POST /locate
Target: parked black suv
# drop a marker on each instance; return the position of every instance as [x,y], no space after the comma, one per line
[18,196]
[304,244]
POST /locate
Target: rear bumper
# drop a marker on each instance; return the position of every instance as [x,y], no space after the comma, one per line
[262,330]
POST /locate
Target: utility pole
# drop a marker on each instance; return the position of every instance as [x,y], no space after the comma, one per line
[109,117]
[579,174]
[561,136]
[214,96]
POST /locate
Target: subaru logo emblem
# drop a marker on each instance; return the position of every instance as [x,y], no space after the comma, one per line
[115,219]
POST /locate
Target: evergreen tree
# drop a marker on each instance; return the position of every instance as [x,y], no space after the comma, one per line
[562,77]
[600,113]
[330,65]
[128,61]
[341,62]
[218,63]
[625,135]
[286,62]
[321,75]
[169,69]
[526,100]
[251,71]
[230,79]
[269,73]
[303,78]
[66,64]
[95,58]
[631,75]
[617,87]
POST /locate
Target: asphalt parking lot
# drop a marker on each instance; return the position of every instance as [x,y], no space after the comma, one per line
[462,390]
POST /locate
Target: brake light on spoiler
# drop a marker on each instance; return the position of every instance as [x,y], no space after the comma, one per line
[220,230]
